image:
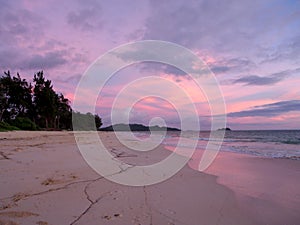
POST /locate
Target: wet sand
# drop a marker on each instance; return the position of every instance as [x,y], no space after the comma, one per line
[45,180]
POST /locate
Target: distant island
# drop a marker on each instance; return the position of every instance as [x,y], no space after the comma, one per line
[136,127]
[225,128]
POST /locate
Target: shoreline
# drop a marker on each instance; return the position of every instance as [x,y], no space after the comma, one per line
[43,173]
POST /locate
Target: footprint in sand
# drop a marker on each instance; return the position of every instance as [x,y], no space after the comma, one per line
[18,214]
[8,222]
[41,223]
[53,181]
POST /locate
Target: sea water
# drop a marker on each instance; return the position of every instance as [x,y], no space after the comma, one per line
[265,143]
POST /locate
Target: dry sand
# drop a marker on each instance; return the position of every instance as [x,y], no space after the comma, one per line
[45,180]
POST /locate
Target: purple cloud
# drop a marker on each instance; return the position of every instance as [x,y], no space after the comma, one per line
[87,17]
[45,61]
[269,80]
[269,110]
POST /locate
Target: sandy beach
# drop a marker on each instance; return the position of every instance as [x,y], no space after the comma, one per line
[45,180]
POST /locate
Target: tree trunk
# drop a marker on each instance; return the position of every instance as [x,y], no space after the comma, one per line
[1,115]
[58,125]
[54,122]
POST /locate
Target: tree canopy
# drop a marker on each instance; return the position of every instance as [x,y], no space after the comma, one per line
[36,106]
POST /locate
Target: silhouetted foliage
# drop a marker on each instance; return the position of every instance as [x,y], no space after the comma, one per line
[15,97]
[44,99]
[24,123]
[63,118]
[98,121]
[7,127]
[31,107]
[3,99]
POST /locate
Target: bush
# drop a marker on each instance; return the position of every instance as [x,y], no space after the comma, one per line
[24,123]
[7,127]
[86,122]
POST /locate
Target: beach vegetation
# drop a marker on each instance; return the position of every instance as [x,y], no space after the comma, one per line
[86,121]
[35,106]
[24,123]
[7,127]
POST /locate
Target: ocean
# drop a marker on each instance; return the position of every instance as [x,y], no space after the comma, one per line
[264,143]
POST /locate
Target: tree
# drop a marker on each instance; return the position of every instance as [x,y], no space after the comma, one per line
[52,110]
[63,113]
[20,96]
[25,106]
[15,96]
[44,99]
[98,121]
[3,98]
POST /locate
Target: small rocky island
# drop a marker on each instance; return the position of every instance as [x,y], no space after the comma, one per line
[225,128]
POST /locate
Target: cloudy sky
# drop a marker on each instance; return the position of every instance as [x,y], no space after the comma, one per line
[252,47]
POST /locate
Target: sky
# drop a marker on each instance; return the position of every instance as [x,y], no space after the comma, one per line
[252,48]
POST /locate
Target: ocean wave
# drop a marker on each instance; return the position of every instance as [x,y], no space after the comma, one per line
[291,142]
[270,144]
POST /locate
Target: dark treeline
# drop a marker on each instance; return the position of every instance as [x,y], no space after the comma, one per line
[37,106]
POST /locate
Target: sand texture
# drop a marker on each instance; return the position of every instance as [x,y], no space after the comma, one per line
[44,180]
